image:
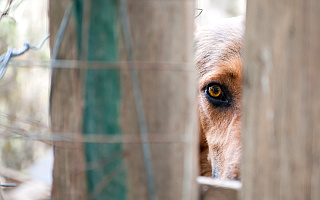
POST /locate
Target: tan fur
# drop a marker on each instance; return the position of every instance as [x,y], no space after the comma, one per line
[218,58]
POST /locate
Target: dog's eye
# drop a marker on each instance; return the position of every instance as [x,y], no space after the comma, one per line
[217,94]
[214,91]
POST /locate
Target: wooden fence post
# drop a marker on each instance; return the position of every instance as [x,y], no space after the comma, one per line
[162,43]
[69,178]
[281,132]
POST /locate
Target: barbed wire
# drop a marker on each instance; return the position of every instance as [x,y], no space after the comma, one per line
[5,58]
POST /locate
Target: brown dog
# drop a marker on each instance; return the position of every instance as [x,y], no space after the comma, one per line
[219,63]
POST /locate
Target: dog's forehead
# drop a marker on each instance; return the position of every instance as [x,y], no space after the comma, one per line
[218,43]
[228,74]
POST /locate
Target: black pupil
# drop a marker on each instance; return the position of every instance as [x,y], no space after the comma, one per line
[216,90]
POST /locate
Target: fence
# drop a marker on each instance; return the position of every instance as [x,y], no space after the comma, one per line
[143,104]
[280,156]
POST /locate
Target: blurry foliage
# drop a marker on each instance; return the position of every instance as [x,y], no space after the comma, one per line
[23,95]
[7,31]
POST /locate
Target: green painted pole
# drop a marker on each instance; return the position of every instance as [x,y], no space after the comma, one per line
[106,173]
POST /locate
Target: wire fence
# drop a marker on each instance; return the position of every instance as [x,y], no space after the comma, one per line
[122,65]
[16,127]
[44,134]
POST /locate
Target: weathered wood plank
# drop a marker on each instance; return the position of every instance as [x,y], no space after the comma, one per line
[69,179]
[281,100]
[162,34]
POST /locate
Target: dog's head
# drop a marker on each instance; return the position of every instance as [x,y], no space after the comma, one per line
[219,63]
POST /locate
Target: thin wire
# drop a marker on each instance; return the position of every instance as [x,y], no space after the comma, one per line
[58,41]
[105,181]
[97,138]
[137,98]
[5,58]
[122,65]
[201,10]
[43,133]
[8,185]
[60,34]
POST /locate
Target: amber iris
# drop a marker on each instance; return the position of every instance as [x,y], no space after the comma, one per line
[214,91]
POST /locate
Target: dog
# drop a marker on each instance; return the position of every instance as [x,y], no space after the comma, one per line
[218,57]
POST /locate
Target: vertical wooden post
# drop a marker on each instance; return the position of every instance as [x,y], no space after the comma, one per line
[162,41]
[69,180]
[281,101]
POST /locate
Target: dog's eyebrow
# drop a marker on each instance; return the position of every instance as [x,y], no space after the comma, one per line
[219,77]
[222,73]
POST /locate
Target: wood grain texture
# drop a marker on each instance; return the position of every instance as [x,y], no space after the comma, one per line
[281,101]
[162,34]
[69,179]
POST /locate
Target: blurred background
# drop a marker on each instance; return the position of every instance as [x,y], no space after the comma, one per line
[213,10]
[24,93]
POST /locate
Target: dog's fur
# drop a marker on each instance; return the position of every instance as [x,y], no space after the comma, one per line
[218,59]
